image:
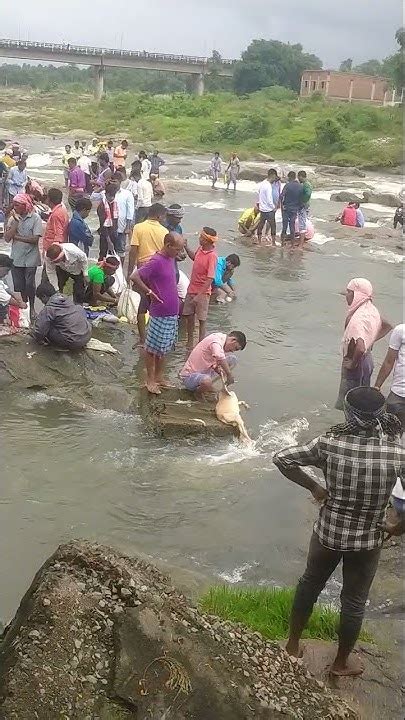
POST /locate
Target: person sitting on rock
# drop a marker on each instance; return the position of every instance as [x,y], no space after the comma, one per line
[212,357]
[351,216]
[61,322]
[100,281]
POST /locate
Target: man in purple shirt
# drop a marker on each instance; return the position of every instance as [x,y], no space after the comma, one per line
[156,279]
[76,182]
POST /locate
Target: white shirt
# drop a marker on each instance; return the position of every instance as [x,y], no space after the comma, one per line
[146,168]
[397,342]
[145,193]
[131,185]
[75,260]
[266,202]
[126,208]
[182,285]
[4,293]
[84,164]
[76,152]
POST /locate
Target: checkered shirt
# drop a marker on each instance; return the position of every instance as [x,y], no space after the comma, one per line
[360,473]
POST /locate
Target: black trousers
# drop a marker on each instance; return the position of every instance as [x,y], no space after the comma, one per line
[24,281]
[359,568]
[78,284]
[267,217]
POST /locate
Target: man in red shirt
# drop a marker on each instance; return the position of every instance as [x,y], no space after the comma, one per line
[199,290]
[57,225]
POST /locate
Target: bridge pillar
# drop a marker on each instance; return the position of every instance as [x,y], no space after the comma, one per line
[99,83]
[199,84]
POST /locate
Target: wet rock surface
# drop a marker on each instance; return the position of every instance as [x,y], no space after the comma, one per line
[101,636]
[340,171]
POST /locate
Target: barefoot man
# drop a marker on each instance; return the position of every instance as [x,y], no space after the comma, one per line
[361,461]
[156,280]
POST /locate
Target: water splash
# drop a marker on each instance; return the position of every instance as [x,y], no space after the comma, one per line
[388,255]
[237,574]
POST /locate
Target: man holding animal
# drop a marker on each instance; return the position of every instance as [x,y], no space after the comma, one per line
[212,358]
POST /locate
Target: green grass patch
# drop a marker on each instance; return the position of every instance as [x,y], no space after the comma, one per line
[267,610]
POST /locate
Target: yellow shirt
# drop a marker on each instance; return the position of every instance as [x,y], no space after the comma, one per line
[8,160]
[66,157]
[148,237]
[248,217]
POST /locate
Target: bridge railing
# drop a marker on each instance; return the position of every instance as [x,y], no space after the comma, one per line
[109,52]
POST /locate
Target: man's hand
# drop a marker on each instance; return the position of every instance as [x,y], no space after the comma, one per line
[319,493]
[348,363]
[230,380]
[22,305]
[153,296]
[392,529]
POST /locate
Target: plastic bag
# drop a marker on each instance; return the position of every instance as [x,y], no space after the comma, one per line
[128,305]
[119,280]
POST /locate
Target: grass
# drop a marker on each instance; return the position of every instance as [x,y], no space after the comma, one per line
[272,122]
[267,610]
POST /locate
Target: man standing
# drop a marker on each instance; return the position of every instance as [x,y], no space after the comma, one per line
[156,280]
[290,204]
[58,220]
[267,207]
[215,169]
[69,262]
[120,156]
[199,291]
[7,297]
[147,239]
[126,211]
[79,232]
[76,182]
[65,157]
[145,194]
[17,179]
[76,150]
[146,165]
[60,322]
[361,461]
[395,360]
[303,210]
[23,231]
[156,163]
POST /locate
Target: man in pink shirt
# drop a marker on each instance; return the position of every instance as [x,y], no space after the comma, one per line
[198,294]
[57,224]
[76,182]
[211,357]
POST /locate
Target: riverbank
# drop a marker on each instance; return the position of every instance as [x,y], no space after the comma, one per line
[262,125]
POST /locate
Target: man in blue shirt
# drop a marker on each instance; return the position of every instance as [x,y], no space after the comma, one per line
[79,232]
[291,200]
[223,286]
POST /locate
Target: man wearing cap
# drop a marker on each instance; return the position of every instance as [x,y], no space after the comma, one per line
[199,291]
[69,262]
[361,461]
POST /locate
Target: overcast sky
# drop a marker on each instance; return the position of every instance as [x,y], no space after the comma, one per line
[332,29]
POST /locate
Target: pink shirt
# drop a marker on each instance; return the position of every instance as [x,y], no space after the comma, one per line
[56,228]
[205,355]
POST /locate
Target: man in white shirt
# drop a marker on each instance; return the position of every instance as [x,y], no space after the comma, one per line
[395,360]
[126,212]
[145,199]
[267,209]
[69,261]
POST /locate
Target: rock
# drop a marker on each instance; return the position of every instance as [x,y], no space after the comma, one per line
[345,197]
[46,602]
[389,199]
[255,175]
[152,659]
[342,171]
[34,634]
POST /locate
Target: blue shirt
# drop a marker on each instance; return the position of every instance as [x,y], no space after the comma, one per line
[79,232]
[220,272]
[291,195]
[173,228]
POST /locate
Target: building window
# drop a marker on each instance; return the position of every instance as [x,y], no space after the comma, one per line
[323,85]
[313,84]
[306,83]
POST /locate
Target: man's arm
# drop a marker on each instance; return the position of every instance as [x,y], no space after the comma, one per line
[223,365]
[42,325]
[394,528]
[130,211]
[290,462]
[190,253]
[386,327]
[141,287]
[30,240]
[386,368]
[132,259]
[351,362]
[107,298]
[11,230]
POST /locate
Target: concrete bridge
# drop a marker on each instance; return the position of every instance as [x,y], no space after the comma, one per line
[101,58]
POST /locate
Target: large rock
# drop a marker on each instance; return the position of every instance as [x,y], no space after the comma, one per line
[100,635]
[341,171]
[255,175]
[345,196]
[389,199]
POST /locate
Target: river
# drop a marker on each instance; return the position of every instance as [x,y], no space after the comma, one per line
[212,508]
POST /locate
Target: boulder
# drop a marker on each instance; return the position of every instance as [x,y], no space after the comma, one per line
[341,171]
[253,174]
[345,196]
[102,635]
[388,199]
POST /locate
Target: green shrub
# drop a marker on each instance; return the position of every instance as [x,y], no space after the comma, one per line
[328,132]
[277,93]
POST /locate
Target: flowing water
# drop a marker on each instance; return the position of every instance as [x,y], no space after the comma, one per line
[212,507]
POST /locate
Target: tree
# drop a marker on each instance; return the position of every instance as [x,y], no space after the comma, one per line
[270,62]
[371,67]
[346,65]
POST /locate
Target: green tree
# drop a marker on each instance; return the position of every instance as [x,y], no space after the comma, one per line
[270,62]
[346,65]
[371,67]
[328,132]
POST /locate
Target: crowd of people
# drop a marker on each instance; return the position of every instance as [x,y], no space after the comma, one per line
[361,459]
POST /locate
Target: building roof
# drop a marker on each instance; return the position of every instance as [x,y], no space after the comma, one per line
[352,74]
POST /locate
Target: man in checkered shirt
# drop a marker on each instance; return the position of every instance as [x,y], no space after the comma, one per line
[361,462]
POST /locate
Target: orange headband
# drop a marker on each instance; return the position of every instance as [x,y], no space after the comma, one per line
[208,238]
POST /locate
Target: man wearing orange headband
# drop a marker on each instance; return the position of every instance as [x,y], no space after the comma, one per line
[199,291]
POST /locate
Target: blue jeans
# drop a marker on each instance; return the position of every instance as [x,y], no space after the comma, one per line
[289,219]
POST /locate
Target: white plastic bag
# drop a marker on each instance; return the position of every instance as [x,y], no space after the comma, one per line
[128,305]
[119,282]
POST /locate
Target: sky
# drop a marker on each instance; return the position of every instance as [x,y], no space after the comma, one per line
[360,29]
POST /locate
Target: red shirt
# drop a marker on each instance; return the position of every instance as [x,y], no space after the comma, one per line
[56,227]
[204,265]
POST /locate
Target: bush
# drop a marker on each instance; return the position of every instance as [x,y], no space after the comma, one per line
[328,132]
[277,93]
[245,128]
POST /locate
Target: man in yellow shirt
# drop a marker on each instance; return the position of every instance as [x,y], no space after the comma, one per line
[249,221]
[147,239]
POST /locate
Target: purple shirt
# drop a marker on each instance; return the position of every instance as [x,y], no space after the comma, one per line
[159,274]
[77,179]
